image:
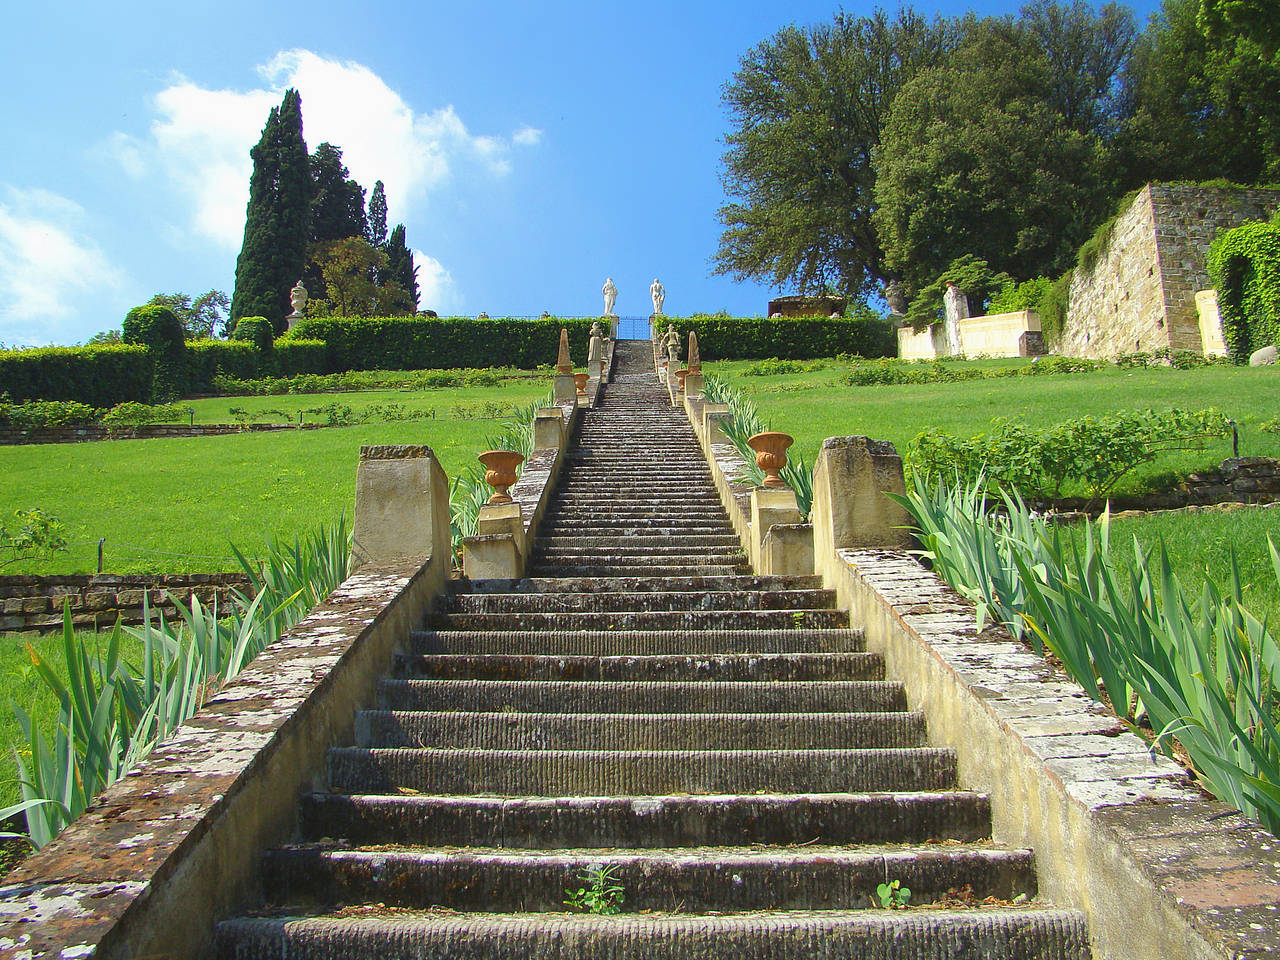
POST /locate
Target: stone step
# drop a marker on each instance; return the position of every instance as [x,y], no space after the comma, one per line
[632,570]
[757,667]
[669,696]
[644,620]
[648,821]
[649,542]
[993,934]
[639,731]
[525,773]
[603,643]
[586,549]
[732,879]
[562,527]
[635,584]
[602,602]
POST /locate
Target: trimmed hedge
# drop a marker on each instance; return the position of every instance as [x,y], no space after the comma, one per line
[159,329]
[207,359]
[1244,264]
[799,338]
[289,358]
[415,343]
[100,376]
[255,330]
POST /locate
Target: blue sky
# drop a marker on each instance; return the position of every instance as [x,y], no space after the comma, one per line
[530,149]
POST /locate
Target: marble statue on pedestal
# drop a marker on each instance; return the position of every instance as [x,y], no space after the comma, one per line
[673,344]
[297,297]
[955,307]
[658,293]
[610,296]
[594,349]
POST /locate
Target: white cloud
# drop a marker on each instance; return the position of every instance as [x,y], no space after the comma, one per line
[49,268]
[201,138]
[527,137]
[436,290]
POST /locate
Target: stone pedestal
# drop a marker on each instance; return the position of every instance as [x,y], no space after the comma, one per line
[770,507]
[498,519]
[564,388]
[491,557]
[714,417]
[1213,343]
[595,370]
[693,384]
[548,429]
[850,479]
[402,504]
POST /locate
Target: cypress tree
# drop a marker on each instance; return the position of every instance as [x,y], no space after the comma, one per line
[274,251]
[400,268]
[337,201]
[378,215]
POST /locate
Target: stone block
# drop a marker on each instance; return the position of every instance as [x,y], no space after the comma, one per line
[714,417]
[548,429]
[787,550]
[1213,343]
[693,385]
[97,600]
[850,479]
[564,388]
[12,605]
[496,519]
[402,504]
[492,557]
[35,605]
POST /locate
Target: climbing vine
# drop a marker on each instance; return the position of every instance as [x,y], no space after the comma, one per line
[1244,264]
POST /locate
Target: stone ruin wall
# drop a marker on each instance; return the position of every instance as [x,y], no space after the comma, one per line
[1140,295]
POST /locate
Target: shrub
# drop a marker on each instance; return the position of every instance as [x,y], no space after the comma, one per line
[1244,264]
[1020,296]
[398,343]
[43,414]
[787,338]
[255,330]
[141,414]
[292,357]
[160,331]
[971,274]
[99,376]
[208,360]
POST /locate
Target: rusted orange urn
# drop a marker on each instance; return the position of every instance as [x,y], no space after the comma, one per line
[580,381]
[500,472]
[771,455]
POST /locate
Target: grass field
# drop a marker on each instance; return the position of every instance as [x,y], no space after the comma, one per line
[175,504]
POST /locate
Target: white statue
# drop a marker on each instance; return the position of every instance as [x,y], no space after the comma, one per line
[610,296]
[659,293]
[298,297]
[955,307]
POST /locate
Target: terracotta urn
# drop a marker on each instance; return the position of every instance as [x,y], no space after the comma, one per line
[771,455]
[580,381]
[500,472]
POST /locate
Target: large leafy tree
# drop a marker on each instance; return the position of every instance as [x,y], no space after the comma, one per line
[274,250]
[200,316]
[807,107]
[1201,95]
[348,267]
[400,269]
[976,160]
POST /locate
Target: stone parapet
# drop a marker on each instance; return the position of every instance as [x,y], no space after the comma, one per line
[96,431]
[30,603]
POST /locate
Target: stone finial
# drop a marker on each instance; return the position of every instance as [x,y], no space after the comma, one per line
[563,363]
[500,472]
[695,357]
[771,455]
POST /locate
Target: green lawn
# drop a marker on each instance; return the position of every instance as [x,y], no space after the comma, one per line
[814,405]
[176,504]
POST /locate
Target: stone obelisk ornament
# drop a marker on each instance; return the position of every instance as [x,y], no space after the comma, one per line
[500,472]
[771,455]
[695,358]
[563,363]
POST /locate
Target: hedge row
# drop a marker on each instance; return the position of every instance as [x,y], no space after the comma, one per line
[415,343]
[242,360]
[799,338]
[100,376]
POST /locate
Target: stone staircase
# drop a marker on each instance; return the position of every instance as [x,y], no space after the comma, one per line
[641,700]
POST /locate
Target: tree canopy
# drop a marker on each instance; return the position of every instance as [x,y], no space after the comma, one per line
[202,316]
[400,268]
[349,267]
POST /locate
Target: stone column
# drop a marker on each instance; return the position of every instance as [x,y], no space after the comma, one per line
[402,505]
[850,479]
[955,307]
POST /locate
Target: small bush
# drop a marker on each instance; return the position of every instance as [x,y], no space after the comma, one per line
[141,414]
[44,414]
[100,376]
[774,367]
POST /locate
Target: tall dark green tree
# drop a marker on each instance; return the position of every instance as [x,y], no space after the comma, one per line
[807,107]
[277,218]
[400,269]
[378,215]
[337,201]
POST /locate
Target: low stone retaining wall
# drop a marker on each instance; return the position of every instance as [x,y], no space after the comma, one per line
[1236,480]
[29,603]
[97,431]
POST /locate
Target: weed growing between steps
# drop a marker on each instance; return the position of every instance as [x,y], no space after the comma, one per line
[112,712]
[603,895]
[1204,671]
